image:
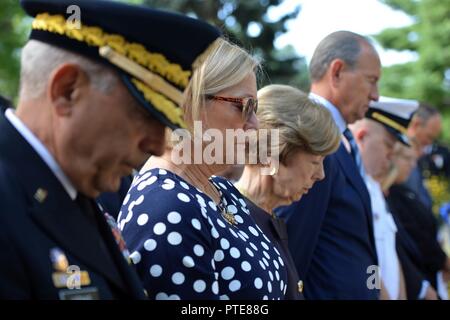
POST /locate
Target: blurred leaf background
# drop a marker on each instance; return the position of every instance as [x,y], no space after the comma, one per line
[246,22]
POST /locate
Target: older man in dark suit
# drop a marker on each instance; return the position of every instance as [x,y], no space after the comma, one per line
[330,229]
[96,96]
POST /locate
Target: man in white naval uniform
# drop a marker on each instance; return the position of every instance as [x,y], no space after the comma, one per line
[385,123]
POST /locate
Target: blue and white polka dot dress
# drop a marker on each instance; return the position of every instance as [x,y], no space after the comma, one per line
[183,247]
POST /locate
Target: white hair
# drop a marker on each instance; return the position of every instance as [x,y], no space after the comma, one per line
[39,59]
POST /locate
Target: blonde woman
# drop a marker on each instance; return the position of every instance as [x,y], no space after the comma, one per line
[307,133]
[192,237]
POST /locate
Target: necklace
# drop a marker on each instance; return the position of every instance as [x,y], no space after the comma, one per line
[228,216]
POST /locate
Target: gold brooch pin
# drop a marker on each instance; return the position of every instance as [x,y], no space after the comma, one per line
[40,195]
[229,217]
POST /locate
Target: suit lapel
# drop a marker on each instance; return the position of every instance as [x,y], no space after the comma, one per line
[350,170]
[51,207]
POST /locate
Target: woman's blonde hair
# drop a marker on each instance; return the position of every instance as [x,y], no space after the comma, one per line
[302,123]
[222,66]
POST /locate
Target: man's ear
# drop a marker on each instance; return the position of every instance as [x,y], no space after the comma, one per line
[336,67]
[64,87]
[413,126]
[417,122]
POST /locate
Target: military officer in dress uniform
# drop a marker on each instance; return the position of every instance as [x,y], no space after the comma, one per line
[98,87]
[385,123]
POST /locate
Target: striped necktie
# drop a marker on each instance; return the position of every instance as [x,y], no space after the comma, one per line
[355,152]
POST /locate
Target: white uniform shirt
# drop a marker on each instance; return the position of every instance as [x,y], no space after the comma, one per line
[384,232]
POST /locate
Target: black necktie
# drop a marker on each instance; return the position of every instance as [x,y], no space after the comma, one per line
[87,207]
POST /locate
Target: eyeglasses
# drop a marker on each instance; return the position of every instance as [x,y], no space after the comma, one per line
[247,105]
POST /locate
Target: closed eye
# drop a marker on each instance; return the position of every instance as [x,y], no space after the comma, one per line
[373,80]
[238,105]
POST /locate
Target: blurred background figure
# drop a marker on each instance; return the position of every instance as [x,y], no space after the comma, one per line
[417,287]
[424,129]
[431,262]
[436,162]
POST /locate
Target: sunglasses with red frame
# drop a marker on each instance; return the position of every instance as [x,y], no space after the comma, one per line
[247,105]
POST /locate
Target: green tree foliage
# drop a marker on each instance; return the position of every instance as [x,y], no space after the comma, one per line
[247,23]
[13,31]
[244,22]
[428,78]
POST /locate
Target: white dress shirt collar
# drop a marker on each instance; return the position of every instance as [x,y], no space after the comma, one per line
[42,151]
[335,113]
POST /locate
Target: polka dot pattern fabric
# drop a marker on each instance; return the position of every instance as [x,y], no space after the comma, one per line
[183,248]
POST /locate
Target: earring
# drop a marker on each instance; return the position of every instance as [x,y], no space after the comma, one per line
[273,171]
